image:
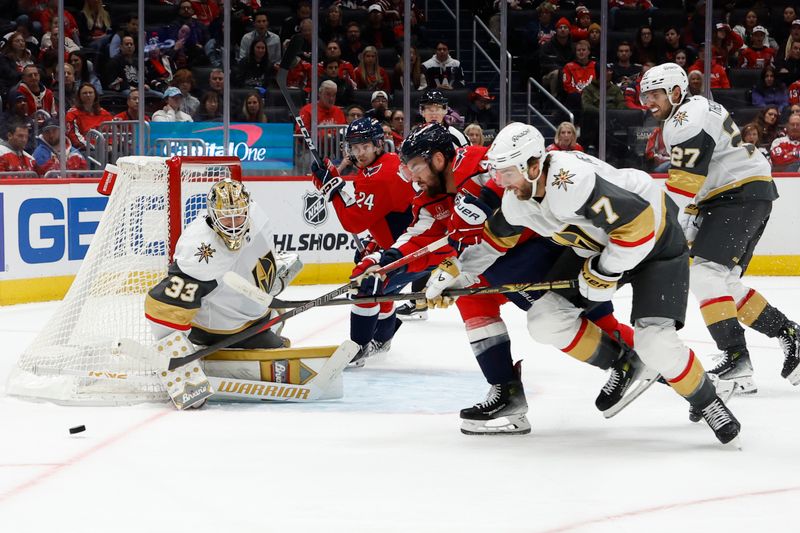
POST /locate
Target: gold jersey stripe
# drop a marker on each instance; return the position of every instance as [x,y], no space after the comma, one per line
[663,222]
[165,312]
[718,311]
[273,354]
[752,308]
[735,184]
[689,380]
[637,231]
[685,181]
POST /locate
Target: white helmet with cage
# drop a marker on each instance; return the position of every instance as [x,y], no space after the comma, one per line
[666,76]
[228,204]
[514,146]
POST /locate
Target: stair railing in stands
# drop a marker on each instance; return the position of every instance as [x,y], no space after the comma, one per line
[533,83]
[476,47]
[457,19]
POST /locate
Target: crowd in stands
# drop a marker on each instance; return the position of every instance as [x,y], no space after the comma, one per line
[755,67]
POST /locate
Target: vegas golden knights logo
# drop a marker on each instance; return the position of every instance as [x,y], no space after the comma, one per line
[264,272]
[575,237]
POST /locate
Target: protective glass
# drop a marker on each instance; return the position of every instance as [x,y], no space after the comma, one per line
[415,168]
[506,176]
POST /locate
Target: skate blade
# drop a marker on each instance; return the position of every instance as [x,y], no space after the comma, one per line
[357,364]
[638,385]
[415,317]
[734,444]
[794,377]
[738,386]
[505,425]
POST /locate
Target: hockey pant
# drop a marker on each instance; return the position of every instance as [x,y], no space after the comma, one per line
[555,321]
[377,321]
[725,302]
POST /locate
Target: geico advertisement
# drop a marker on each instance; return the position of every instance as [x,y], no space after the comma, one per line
[46,230]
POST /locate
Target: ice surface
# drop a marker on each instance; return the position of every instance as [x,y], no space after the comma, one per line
[389,456]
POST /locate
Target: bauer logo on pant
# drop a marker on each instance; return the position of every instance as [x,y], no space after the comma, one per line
[315,212]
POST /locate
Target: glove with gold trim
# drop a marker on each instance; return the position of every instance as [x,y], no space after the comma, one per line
[690,224]
[594,284]
[447,275]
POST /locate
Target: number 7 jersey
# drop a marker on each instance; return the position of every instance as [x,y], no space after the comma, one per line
[709,160]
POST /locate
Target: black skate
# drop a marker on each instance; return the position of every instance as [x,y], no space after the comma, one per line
[413,310]
[501,413]
[790,342]
[721,420]
[368,350]
[733,370]
[628,378]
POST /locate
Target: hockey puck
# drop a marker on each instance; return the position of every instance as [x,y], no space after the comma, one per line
[77,429]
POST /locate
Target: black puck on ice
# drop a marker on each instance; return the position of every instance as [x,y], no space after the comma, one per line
[77,429]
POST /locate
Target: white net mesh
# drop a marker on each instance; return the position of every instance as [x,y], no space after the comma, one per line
[86,354]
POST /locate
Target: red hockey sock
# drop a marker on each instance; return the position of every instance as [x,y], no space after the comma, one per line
[611,325]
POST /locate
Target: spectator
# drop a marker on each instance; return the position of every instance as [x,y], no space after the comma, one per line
[380,107]
[13,157]
[132,110]
[481,111]
[794,93]
[673,43]
[171,112]
[623,71]
[327,110]
[442,71]
[50,40]
[794,109]
[252,109]
[186,53]
[785,150]
[719,78]
[577,75]
[757,55]
[122,72]
[291,24]
[554,55]
[590,95]
[377,33]
[542,29]
[786,47]
[158,67]
[346,69]
[594,41]
[51,10]
[36,95]
[70,87]
[633,91]
[474,134]
[387,135]
[616,5]
[768,126]
[583,19]
[86,115]
[46,154]
[332,27]
[186,17]
[727,44]
[644,46]
[694,31]
[682,59]
[782,29]
[353,112]
[14,56]
[789,70]
[206,11]
[94,25]
[418,81]
[566,138]
[210,107]
[655,153]
[261,32]
[216,81]
[745,30]
[769,91]
[695,83]
[331,72]
[433,108]
[256,69]
[130,26]
[397,123]
[369,74]
[750,135]
[184,80]
[18,114]
[84,71]
[351,51]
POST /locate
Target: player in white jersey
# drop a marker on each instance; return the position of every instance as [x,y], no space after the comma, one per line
[625,227]
[725,191]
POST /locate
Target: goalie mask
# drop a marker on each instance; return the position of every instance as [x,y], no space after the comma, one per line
[228,204]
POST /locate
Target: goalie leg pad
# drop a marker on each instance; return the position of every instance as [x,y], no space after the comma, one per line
[186,385]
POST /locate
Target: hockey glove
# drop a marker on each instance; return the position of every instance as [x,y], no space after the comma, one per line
[467,228]
[690,224]
[370,245]
[446,276]
[327,179]
[369,264]
[596,285]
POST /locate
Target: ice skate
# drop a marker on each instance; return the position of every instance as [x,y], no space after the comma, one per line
[733,366]
[373,347]
[722,422]
[628,379]
[501,413]
[790,342]
[413,310]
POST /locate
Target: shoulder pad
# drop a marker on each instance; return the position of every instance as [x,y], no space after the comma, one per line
[469,160]
[570,181]
[201,254]
[686,122]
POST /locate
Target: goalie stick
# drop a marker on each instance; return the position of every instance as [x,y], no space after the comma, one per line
[293,48]
[267,322]
[511,287]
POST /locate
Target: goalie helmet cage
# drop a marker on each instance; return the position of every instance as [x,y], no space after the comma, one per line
[80,356]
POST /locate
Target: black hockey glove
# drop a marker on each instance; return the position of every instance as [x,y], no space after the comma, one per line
[327,179]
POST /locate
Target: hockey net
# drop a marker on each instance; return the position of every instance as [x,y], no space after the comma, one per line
[90,352]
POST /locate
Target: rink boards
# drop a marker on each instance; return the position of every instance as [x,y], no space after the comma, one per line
[46,227]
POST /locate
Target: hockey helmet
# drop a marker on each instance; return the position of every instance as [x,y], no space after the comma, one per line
[363,130]
[514,146]
[432,96]
[424,141]
[228,204]
[666,76]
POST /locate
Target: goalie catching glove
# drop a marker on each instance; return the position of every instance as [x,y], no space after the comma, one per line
[594,284]
[327,179]
[447,275]
[370,283]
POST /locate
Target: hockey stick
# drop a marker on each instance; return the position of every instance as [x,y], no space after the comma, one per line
[294,47]
[267,322]
[511,287]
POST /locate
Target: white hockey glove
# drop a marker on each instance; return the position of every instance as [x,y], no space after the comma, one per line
[689,222]
[447,275]
[596,285]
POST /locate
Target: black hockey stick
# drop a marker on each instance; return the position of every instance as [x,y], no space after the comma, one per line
[266,322]
[287,61]
[510,287]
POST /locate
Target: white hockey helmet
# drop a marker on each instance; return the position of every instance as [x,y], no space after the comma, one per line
[228,204]
[514,146]
[665,76]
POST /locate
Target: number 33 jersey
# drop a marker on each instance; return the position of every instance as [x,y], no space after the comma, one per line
[709,160]
[193,294]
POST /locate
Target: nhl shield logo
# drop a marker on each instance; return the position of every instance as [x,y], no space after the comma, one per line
[315,212]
